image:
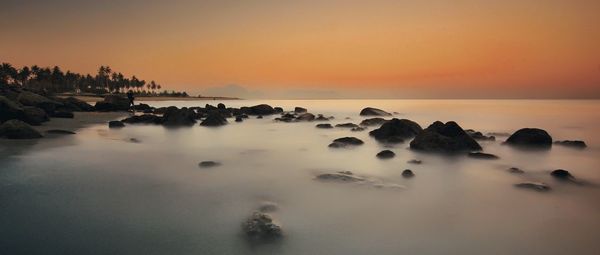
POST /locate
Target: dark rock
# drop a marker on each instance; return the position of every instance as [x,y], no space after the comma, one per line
[112,103]
[134,140]
[10,110]
[515,170]
[268,206]
[148,111]
[357,129]
[448,138]
[562,174]
[207,164]
[142,107]
[300,110]
[214,119]
[530,137]
[34,116]
[345,141]
[62,114]
[373,122]
[414,161]
[305,117]
[160,110]
[31,99]
[537,186]
[60,132]
[260,227]
[278,109]
[327,125]
[343,176]
[479,136]
[481,155]
[261,109]
[239,119]
[407,173]
[76,105]
[179,117]
[115,124]
[320,117]
[221,106]
[386,154]
[498,134]
[346,125]
[572,143]
[396,130]
[142,119]
[259,117]
[16,129]
[369,111]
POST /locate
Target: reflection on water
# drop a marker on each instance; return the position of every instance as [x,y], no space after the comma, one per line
[100,193]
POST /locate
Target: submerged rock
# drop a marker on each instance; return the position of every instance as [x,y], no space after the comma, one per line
[447,138]
[239,119]
[396,130]
[268,206]
[115,124]
[572,143]
[305,117]
[140,119]
[481,155]
[357,129]
[479,136]
[260,227]
[537,186]
[60,132]
[515,170]
[407,173]
[207,164]
[386,154]
[16,129]
[530,137]
[214,119]
[327,125]
[414,161]
[320,117]
[346,125]
[112,103]
[373,122]
[345,141]
[174,117]
[342,176]
[369,111]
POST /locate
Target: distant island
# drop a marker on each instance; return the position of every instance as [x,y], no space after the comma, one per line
[46,80]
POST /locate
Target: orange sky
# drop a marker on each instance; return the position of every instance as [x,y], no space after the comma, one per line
[421,49]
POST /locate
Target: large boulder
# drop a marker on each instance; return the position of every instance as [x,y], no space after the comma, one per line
[261,109]
[214,119]
[34,116]
[141,119]
[16,129]
[10,110]
[31,99]
[112,103]
[448,138]
[396,130]
[260,227]
[369,111]
[530,137]
[179,117]
[75,105]
[373,121]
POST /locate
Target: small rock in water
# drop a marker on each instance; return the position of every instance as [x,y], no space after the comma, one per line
[414,161]
[115,124]
[344,176]
[207,164]
[370,111]
[481,155]
[60,132]
[134,140]
[214,119]
[305,117]
[537,186]
[386,154]
[515,170]
[260,227]
[479,136]
[346,125]
[259,117]
[407,173]
[327,125]
[530,137]
[562,174]
[239,119]
[345,141]
[572,143]
[268,206]
[357,129]
[373,122]
[300,110]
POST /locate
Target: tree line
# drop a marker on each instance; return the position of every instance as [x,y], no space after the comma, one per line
[54,80]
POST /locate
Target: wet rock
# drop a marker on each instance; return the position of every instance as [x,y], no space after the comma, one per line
[572,143]
[141,119]
[515,170]
[530,137]
[207,164]
[396,130]
[214,120]
[373,122]
[261,109]
[16,129]
[537,186]
[115,124]
[60,132]
[407,173]
[327,125]
[481,155]
[260,227]
[357,129]
[346,125]
[300,110]
[34,116]
[479,136]
[562,174]
[62,114]
[386,154]
[112,103]
[446,138]
[305,117]
[414,161]
[343,176]
[369,111]
[345,142]
[179,117]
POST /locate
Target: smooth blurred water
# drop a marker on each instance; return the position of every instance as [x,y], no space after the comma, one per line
[99,193]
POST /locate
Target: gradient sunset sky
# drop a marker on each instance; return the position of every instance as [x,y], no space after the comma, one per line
[320,49]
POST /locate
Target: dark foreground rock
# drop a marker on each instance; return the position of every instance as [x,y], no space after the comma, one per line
[75,105]
[446,138]
[326,125]
[396,130]
[370,111]
[562,174]
[259,227]
[386,154]
[63,114]
[31,99]
[537,186]
[214,120]
[34,116]
[261,109]
[342,176]
[115,124]
[530,137]
[112,103]
[479,136]
[572,143]
[10,110]
[305,117]
[16,129]
[345,142]
[174,117]
[407,173]
[481,155]
[140,119]
[346,125]
[60,132]
[373,122]
[207,164]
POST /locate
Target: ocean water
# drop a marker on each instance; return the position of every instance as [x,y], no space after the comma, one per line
[98,192]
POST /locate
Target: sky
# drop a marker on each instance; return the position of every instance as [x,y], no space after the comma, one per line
[319,49]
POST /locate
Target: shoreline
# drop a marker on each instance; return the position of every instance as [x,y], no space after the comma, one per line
[93,99]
